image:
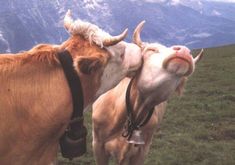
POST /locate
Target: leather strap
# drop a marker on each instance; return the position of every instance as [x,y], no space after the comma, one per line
[133,124]
[73,141]
[74,84]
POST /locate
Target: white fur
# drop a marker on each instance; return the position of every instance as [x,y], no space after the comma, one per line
[90,31]
[119,67]
[113,74]
[153,73]
[115,70]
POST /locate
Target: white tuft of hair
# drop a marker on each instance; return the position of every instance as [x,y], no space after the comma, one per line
[90,31]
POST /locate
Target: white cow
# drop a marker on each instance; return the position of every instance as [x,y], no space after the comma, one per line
[164,71]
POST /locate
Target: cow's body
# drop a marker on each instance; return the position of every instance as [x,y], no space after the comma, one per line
[164,71]
[108,124]
[35,106]
[36,103]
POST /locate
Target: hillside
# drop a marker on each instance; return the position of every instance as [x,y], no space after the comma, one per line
[199,127]
[194,23]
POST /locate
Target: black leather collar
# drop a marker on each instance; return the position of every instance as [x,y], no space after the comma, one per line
[132,123]
[73,141]
[73,82]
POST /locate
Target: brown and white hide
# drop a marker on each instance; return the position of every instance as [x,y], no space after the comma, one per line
[35,101]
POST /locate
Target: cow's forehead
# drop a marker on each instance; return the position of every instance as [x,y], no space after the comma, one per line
[163,49]
[157,48]
[166,51]
[156,58]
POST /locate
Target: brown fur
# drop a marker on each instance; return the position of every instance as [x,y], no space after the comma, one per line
[45,53]
[40,53]
[78,46]
[35,102]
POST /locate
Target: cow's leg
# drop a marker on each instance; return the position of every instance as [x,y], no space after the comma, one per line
[123,162]
[55,162]
[137,159]
[101,157]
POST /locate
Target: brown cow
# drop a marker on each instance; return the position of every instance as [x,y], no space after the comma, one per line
[36,103]
[164,71]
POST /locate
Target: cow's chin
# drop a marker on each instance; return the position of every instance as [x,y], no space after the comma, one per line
[160,86]
[179,66]
[108,82]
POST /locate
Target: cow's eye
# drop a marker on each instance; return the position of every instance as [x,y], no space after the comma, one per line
[154,50]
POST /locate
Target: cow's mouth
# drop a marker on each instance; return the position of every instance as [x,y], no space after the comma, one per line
[179,63]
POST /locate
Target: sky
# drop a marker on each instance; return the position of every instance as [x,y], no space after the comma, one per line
[176,1]
[233,1]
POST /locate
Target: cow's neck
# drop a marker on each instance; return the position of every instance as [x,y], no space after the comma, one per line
[78,46]
[141,105]
[90,85]
[135,99]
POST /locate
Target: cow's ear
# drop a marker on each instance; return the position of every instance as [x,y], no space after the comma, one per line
[88,65]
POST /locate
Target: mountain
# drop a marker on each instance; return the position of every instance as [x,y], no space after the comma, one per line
[194,23]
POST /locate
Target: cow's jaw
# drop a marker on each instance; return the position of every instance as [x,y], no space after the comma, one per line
[125,60]
[163,71]
[158,85]
[113,73]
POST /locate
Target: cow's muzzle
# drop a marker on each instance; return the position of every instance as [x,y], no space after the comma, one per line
[179,63]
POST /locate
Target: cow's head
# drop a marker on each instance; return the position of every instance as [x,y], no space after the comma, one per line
[165,69]
[107,59]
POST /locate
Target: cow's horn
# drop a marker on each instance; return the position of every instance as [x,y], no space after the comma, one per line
[198,57]
[115,39]
[136,35]
[68,20]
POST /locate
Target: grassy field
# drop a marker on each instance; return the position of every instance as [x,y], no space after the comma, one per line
[199,127]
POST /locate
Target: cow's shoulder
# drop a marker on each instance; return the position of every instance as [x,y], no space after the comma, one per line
[42,53]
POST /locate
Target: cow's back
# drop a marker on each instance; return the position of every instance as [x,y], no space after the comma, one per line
[32,107]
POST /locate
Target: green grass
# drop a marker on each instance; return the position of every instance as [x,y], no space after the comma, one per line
[199,127]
